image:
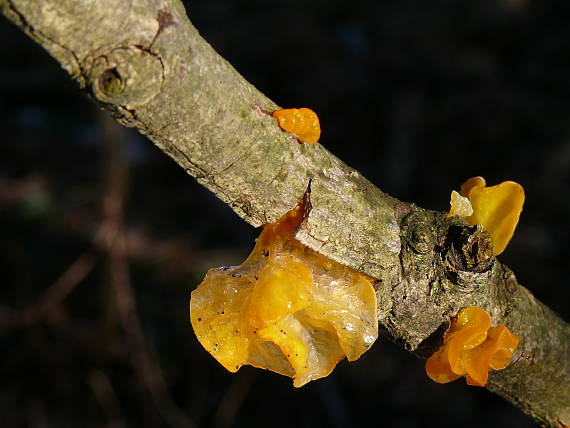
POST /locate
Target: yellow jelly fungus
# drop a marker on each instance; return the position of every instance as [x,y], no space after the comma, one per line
[496,208]
[286,308]
[460,205]
[477,181]
[470,348]
[302,122]
[494,353]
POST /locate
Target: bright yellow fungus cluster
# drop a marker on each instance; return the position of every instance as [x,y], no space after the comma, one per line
[470,348]
[496,208]
[302,122]
[286,308]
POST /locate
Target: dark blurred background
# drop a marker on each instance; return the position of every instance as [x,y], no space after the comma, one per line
[103,237]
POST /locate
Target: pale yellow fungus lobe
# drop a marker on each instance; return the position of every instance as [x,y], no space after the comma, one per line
[496,208]
[471,348]
[286,308]
[460,205]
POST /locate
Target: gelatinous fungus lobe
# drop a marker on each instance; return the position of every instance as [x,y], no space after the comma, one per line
[496,208]
[459,205]
[470,348]
[302,122]
[286,308]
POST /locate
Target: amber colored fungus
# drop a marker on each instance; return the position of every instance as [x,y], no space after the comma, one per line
[496,208]
[286,308]
[470,348]
[302,122]
[477,181]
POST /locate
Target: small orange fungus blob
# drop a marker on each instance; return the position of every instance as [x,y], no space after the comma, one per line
[496,208]
[286,308]
[470,348]
[302,122]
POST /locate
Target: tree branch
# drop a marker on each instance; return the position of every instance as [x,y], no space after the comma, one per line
[145,62]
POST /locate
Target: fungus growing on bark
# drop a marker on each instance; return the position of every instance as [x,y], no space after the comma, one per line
[302,122]
[496,208]
[470,348]
[286,308]
[460,205]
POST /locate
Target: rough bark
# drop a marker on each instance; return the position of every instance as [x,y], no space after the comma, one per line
[145,62]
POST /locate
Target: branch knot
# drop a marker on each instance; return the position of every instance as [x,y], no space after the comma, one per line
[470,256]
[126,76]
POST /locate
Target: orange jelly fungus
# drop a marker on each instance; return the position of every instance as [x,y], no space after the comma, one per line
[302,122]
[470,348]
[496,208]
[286,308]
